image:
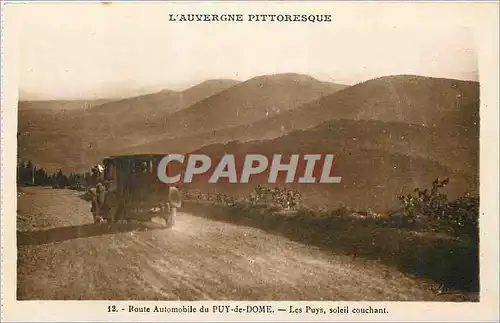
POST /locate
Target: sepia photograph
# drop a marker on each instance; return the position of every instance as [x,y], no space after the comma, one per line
[193,152]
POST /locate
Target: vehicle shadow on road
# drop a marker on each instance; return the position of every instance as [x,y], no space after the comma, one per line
[60,234]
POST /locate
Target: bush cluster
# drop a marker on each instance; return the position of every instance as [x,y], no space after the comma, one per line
[280,197]
[431,208]
[426,209]
[30,174]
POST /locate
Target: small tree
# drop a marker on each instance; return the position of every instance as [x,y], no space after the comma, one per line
[30,172]
[432,208]
[425,203]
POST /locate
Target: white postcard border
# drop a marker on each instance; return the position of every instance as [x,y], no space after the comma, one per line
[487,309]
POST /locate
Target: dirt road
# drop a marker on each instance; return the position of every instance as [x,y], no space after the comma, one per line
[62,255]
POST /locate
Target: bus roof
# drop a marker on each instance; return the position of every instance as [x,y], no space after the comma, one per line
[136,157]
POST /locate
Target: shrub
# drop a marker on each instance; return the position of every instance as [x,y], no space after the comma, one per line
[464,215]
[278,198]
[284,198]
[432,209]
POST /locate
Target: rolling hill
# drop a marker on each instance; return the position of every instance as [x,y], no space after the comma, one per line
[449,134]
[404,98]
[61,105]
[390,134]
[248,101]
[258,98]
[73,140]
[162,103]
[55,136]
[376,159]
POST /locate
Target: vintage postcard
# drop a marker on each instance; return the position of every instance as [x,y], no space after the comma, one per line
[250,161]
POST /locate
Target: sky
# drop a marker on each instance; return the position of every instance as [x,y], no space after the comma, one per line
[89,51]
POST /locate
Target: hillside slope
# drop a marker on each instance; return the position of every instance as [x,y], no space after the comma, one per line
[452,138]
[61,105]
[76,140]
[376,161]
[57,137]
[404,98]
[258,98]
[389,136]
[164,102]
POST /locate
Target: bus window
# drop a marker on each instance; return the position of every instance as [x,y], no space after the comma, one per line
[110,171]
